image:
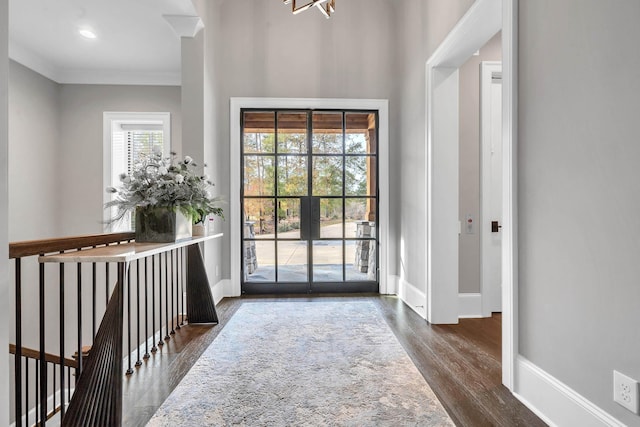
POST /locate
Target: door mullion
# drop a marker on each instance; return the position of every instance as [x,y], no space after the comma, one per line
[309,193]
[276,199]
[344,191]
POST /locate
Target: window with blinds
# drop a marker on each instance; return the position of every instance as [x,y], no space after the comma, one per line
[131,139]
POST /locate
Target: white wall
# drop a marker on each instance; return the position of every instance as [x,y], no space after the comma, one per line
[34,121]
[579,235]
[259,49]
[421,27]
[4,201]
[80,165]
[469,255]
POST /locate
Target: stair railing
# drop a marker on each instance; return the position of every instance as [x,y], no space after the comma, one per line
[76,373]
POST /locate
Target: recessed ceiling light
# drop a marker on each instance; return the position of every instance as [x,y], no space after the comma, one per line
[87,33]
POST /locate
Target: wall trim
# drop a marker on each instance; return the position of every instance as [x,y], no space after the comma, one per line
[220,289]
[481,22]
[412,296]
[29,59]
[470,305]
[392,284]
[235,179]
[556,403]
[108,117]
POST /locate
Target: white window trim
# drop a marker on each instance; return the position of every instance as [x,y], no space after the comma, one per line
[107,126]
[381,105]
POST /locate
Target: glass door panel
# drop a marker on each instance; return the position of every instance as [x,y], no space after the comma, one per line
[292,132]
[259,261]
[327,260]
[289,218]
[331,224]
[327,176]
[259,214]
[360,260]
[309,201]
[327,133]
[292,261]
[358,173]
[258,176]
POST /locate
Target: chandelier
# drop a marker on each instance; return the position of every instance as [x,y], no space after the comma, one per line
[327,7]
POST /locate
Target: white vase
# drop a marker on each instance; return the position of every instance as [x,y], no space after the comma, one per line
[199,230]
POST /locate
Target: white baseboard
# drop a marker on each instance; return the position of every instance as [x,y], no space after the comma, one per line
[219,290]
[470,305]
[413,297]
[392,285]
[554,402]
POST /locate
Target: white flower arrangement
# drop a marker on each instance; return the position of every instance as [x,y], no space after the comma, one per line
[163,182]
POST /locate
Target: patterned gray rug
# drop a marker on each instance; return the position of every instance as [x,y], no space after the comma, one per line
[303,363]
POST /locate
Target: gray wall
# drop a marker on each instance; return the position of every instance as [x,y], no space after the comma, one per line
[34,132]
[259,49]
[579,99]
[59,191]
[56,149]
[81,144]
[469,255]
[4,201]
[421,27]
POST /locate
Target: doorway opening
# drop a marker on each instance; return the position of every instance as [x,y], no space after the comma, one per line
[483,20]
[309,201]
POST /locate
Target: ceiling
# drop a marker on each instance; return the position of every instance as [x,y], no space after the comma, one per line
[134,43]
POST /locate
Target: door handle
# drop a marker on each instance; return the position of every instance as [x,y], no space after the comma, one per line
[309,218]
[495,227]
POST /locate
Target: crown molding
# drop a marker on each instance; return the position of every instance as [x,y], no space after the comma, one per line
[184,26]
[36,63]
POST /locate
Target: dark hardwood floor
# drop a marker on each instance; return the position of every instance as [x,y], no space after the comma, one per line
[460,362]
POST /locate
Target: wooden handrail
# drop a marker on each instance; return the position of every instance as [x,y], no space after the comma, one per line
[45,246]
[50,358]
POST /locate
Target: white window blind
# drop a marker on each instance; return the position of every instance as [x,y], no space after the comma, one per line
[130,143]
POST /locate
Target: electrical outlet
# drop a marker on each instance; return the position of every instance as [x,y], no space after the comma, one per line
[625,391]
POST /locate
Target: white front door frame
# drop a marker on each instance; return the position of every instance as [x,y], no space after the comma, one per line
[483,20]
[380,105]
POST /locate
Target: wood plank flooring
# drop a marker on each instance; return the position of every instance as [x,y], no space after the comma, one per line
[460,362]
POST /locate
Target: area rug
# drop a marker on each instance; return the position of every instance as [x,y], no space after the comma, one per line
[303,363]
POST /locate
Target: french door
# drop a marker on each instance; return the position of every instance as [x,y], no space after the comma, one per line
[309,201]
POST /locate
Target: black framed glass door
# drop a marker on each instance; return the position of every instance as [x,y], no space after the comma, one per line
[309,201]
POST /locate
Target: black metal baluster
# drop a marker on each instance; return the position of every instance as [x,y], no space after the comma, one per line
[68,388]
[160,342]
[138,362]
[129,370]
[79,266]
[18,355]
[38,393]
[146,309]
[94,276]
[62,376]
[106,279]
[173,291]
[153,303]
[26,391]
[182,280]
[54,391]
[166,294]
[41,384]
[178,252]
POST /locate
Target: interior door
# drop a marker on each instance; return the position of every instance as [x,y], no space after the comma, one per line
[492,186]
[309,201]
